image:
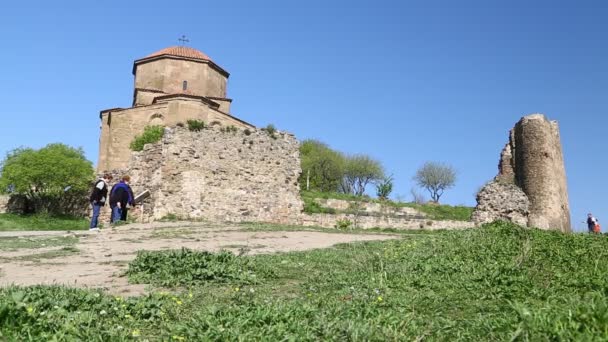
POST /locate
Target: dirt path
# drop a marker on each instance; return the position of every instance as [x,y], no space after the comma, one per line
[99,258]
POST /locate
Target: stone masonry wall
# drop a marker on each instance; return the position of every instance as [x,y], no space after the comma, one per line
[367,222]
[220,176]
[541,173]
[531,161]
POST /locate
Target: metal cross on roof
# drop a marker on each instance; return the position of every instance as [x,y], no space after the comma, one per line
[183,40]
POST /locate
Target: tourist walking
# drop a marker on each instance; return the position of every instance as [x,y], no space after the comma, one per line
[121,197]
[98,197]
[592,224]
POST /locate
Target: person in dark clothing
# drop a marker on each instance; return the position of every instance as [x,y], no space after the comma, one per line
[121,197]
[98,198]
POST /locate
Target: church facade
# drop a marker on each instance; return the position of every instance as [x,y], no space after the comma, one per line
[172,86]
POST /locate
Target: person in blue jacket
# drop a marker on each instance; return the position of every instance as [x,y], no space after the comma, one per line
[121,197]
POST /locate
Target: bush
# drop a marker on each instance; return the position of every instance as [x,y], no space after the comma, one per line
[384,188]
[196,125]
[229,129]
[271,130]
[151,135]
[247,131]
[344,224]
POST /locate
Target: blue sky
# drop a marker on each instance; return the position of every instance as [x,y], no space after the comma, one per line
[403,81]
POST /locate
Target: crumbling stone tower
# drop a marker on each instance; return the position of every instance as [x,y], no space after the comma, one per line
[532,162]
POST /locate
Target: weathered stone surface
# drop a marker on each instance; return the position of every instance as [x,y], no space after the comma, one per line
[220,176]
[533,161]
[500,200]
[540,172]
[367,222]
[4,203]
[372,208]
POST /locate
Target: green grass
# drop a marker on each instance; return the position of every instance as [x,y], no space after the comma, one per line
[443,211]
[10,222]
[45,256]
[432,211]
[500,282]
[14,243]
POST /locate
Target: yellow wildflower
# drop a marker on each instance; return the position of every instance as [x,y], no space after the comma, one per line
[30,309]
[136,333]
[379,298]
[179,302]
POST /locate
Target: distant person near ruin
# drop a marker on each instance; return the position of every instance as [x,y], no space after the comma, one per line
[98,199]
[592,224]
[121,197]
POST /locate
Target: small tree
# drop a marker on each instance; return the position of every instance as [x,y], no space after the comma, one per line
[322,167]
[417,197]
[359,171]
[53,179]
[436,178]
[384,188]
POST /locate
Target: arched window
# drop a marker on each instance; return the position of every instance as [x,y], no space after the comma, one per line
[156,119]
[185,85]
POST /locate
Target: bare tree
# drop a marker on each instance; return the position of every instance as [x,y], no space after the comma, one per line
[417,197]
[436,178]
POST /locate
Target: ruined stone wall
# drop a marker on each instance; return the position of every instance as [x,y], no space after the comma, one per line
[541,173]
[220,176]
[532,161]
[367,222]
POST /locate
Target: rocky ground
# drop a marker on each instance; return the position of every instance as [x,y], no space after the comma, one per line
[99,259]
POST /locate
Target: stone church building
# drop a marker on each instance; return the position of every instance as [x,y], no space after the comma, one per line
[172,85]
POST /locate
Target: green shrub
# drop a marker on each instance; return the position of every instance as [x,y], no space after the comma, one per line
[247,131]
[187,267]
[229,129]
[151,134]
[344,224]
[271,130]
[384,188]
[196,125]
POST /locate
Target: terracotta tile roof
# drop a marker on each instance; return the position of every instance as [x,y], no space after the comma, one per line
[181,51]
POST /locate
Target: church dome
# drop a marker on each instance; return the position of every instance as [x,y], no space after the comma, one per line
[180,51]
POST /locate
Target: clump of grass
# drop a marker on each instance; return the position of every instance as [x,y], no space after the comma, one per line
[14,243]
[312,207]
[196,125]
[151,134]
[41,222]
[187,267]
[443,211]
